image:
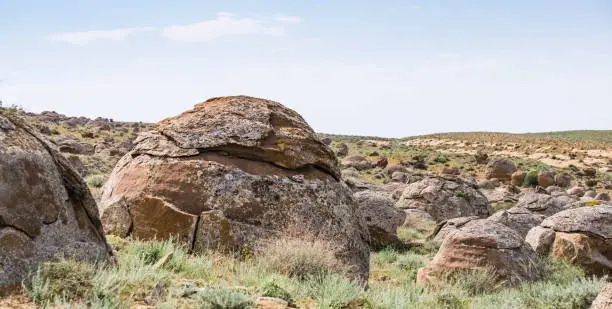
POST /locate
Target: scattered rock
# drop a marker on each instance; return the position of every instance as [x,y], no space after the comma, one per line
[546,179]
[603,197]
[590,193]
[450,226]
[78,165]
[590,172]
[576,191]
[342,150]
[451,170]
[69,144]
[382,162]
[501,169]
[582,236]
[445,199]
[360,163]
[482,243]
[563,180]
[489,184]
[517,178]
[381,216]
[399,177]
[590,183]
[531,209]
[390,169]
[481,157]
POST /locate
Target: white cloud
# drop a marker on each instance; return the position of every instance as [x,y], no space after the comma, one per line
[289,19]
[226,24]
[85,37]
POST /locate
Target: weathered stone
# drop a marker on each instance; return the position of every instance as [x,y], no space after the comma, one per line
[78,165]
[501,169]
[450,226]
[482,243]
[46,209]
[546,179]
[590,172]
[359,163]
[603,197]
[540,239]
[69,144]
[390,169]
[451,170]
[517,178]
[342,150]
[381,216]
[576,191]
[382,162]
[582,236]
[445,199]
[604,299]
[399,176]
[563,180]
[519,219]
[233,172]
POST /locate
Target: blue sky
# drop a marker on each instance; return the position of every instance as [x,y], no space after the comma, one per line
[386,68]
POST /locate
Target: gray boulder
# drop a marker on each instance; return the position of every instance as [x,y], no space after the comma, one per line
[46,210]
[445,199]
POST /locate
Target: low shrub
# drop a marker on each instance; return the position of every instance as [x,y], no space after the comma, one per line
[301,259]
[62,279]
[271,289]
[531,179]
[222,298]
[95,181]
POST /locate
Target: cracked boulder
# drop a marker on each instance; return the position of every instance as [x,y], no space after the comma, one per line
[582,236]
[480,244]
[230,173]
[445,199]
[46,210]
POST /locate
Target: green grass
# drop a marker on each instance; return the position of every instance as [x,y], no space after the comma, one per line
[165,275]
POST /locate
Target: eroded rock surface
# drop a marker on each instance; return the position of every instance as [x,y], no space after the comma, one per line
[445,198]
[46,210]
[582,236]
[482,243]
[232,172]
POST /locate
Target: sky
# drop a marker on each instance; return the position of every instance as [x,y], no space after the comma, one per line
[377,68]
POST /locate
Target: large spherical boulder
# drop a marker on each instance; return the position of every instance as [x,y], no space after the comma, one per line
[445,198]
[46,210]
[230,173]
[479,244]
[580,235]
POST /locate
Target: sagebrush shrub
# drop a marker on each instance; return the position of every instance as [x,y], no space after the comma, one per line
[222,298]
[301,259]
[62,279]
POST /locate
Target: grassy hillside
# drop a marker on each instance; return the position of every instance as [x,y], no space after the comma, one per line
[581,138]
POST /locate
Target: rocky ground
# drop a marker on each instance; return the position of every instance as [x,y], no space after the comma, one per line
[457,220]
